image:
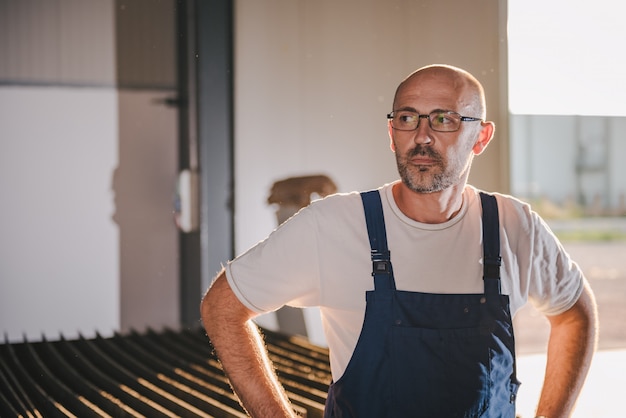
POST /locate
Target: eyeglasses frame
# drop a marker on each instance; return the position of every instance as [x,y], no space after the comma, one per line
[427,116]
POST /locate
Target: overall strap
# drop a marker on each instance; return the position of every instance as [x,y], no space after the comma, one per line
[381,257]
[491,244]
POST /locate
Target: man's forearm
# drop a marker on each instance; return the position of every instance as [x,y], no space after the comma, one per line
[252,376]
[570,349]
[242,353]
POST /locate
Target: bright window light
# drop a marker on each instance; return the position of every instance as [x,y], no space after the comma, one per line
[566,57]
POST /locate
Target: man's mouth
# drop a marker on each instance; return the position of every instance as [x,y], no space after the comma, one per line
[418,160]
[423,156]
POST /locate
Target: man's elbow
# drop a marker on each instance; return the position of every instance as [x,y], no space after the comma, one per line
[220,308]
[210,308]
[581,318]
[587,309]
[590,313]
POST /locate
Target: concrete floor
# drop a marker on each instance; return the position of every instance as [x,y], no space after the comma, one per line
[601,396]
[604,265]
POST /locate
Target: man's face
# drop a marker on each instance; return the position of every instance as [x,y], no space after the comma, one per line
[430,161]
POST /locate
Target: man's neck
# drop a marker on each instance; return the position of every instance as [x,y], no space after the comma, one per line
[429,208]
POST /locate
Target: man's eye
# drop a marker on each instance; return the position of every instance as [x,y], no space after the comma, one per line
[407,118]
[441,118]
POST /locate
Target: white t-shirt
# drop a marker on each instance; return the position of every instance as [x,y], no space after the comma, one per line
[321,257]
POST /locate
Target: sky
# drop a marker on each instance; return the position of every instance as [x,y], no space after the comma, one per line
[567,57]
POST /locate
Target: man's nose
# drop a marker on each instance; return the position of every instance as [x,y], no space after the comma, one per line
[423,131]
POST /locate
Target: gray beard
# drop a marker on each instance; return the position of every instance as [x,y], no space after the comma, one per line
[421,180]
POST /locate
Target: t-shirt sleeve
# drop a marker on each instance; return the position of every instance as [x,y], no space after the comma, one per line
[556,281]
[282,269]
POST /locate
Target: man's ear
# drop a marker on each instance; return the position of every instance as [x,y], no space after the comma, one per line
[390,132]
[484,137]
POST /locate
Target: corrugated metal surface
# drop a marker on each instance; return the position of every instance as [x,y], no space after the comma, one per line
[60,42]
[128,43]
[152,374]
[145,43]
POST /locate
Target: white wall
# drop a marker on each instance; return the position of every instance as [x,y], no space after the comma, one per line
[144,183]
[59,252]
[87,238]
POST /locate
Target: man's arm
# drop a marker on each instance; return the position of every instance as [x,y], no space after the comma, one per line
[573,337]
[242,352]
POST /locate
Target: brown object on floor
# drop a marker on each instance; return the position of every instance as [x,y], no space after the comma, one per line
[294,193]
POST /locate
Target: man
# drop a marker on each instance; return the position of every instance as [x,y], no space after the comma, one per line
[417,295]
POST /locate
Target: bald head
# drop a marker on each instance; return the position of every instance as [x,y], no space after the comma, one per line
[468,90]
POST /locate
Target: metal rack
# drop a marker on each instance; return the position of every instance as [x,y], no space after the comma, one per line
[154,374]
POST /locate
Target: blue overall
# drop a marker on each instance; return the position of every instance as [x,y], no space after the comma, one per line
[430,355]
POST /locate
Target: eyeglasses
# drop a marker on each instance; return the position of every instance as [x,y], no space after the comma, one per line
[439,120]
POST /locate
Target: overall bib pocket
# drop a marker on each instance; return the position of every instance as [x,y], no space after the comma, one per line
[440,372]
